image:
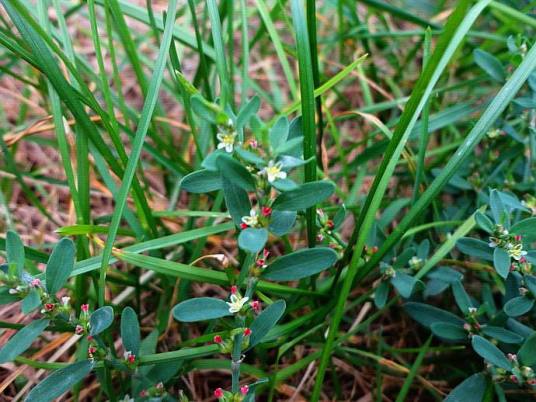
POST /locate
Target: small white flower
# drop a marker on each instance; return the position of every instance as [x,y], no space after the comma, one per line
[251,220]
[65,300]
[127,354]
[492,244]
[13,291]
[415,261]
[236,303]
[273,171]
[227,140]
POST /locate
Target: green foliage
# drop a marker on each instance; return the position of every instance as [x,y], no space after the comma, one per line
[194,170]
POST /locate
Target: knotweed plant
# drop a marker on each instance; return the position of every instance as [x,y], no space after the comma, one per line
[314,201]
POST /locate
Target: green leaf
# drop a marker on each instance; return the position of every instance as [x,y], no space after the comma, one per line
[462,298]
[484,222]
[236,173]
[279,132]
[490,64]
[22,340]
[200,309]
[59,382]
[237,201]
[252,239]
[518,306]
[490,352]
[247,111]
[472,389]
[59,266]
[266,321]
[100,320]
[448,331]
[501,334]
[527,352]
[130,330]
[250,157]
[427,315]
[300,264]
[201,181]
[501,261]
[30,302]
[304,196]
[404,284]
[525,228]
[381,293]
[530,282]
[281,222]
[475,248]
[15,251]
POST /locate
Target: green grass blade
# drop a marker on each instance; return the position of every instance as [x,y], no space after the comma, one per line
[143,125]
[307,108]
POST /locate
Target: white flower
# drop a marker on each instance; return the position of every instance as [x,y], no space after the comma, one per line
[236,303]
[273,171]
[415,261]
[252,219]
[13,291]
[227,140]
[492,244]
[65,300]
[127,354]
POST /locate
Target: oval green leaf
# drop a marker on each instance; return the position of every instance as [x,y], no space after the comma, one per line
[60,265]
[60,381]
[304,196]
[300,264]
[200,309]
[518,306]
[202,181]
[252,239]
[266,321]
[130,330]
[490,352]
[100,320]
[22,340]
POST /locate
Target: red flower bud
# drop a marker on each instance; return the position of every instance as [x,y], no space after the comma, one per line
[243,226]
[49,306]
[91,350]
[266,211]
[330,225]
[131,358]
[265,253]
[218,339]
[260,262]
[143,393]
[234,289]
[518,237]
[244,389]
[522,260]
[89,338]
[247,332]
[79,330]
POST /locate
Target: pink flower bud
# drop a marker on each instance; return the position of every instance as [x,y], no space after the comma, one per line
[35,283]
[244,389]
[49,306]
[218,393]
[79,330]
[260,262]
[143,393]
[218,339]
[91,350]
[256,306]
[84,308]
[265,253]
